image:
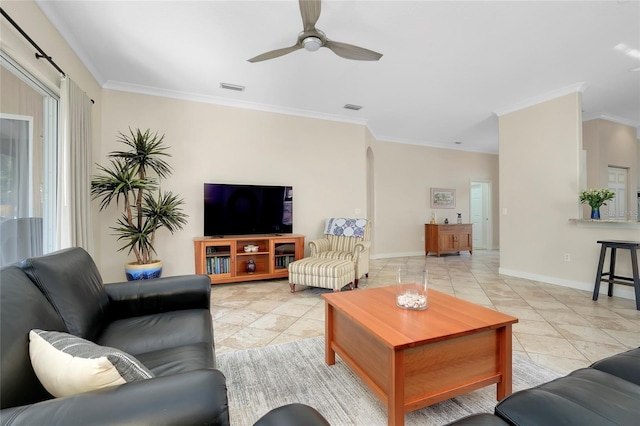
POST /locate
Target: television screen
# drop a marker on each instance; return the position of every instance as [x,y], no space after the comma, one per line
[231,209]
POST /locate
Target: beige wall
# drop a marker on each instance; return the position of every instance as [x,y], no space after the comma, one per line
[539,186]
[539,152]
[611,144]
[323,160]
[403,177]
[591,146]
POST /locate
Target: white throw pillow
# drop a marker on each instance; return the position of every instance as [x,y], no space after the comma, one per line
[68,365]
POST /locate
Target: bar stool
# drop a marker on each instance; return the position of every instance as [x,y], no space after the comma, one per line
[611,277]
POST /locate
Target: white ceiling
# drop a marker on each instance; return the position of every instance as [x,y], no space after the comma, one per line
[448,66]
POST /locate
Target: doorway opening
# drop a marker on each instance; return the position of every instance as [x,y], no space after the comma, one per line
[480,206]
[371,196]
[617,182]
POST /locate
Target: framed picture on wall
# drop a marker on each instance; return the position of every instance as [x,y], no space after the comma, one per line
[442,198]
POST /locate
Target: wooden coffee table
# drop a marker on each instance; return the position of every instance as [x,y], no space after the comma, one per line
[412,359]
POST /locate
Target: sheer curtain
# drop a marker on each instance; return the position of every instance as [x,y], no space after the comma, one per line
[74,168]
[24,139]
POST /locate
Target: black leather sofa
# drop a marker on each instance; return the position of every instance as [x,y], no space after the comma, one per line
[165,323]
[605,394]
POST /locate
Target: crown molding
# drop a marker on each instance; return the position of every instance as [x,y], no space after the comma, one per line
[207,99]
[611,117]
[573,88]
[422,143]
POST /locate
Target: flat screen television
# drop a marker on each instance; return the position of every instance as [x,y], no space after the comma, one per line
[231,209]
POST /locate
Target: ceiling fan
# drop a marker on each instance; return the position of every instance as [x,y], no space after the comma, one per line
[313,39]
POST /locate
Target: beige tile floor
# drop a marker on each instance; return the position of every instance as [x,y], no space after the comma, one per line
[559,327]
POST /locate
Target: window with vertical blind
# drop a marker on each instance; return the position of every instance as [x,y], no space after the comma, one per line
[28,156]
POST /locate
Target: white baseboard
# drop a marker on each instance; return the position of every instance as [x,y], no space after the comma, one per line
[619,290]
[392,255]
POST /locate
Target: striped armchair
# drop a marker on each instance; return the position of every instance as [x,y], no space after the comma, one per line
[354,248]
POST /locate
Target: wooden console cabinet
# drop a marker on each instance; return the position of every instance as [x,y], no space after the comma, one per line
[451,238]
[225,260]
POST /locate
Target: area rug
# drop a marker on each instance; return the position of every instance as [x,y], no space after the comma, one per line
[259,380]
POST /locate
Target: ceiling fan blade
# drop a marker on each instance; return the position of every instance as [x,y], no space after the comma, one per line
[310,11]
[350,51]
[275,53]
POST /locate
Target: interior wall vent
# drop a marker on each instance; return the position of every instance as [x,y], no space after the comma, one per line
[229,86]
[352,107]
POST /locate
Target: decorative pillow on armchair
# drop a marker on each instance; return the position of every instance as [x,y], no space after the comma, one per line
[68,365]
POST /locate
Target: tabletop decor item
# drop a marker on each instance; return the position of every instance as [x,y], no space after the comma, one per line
[411,287]
[596,198]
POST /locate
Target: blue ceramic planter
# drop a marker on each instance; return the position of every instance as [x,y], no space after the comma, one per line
[143,272]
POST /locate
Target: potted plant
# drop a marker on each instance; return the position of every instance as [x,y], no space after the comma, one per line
[596,198]
[131,180]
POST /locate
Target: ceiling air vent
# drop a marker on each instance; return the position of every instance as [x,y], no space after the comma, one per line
[232,87]
[352,107]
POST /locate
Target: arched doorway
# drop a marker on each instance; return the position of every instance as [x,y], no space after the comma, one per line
[371,197]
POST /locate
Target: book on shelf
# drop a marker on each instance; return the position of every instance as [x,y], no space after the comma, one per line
[282,262]
[218,265]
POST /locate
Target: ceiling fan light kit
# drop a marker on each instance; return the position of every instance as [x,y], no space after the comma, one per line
[312,39]
[312,43]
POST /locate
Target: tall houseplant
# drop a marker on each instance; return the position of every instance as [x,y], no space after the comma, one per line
[132,180]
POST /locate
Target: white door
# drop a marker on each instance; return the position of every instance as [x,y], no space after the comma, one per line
[618,183]
[480,214]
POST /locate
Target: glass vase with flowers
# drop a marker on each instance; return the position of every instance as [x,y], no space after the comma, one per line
[596,198]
